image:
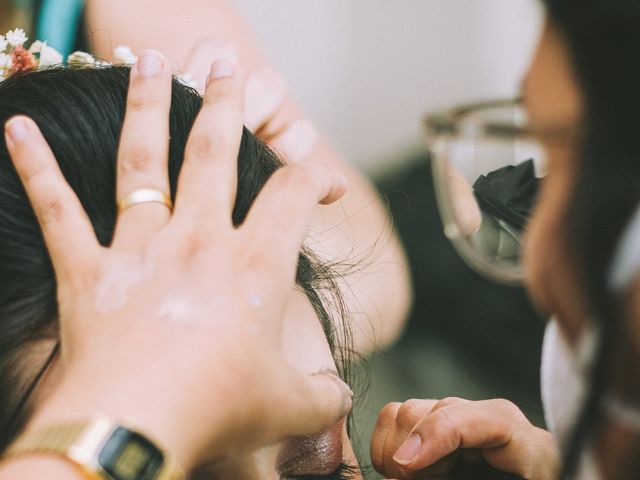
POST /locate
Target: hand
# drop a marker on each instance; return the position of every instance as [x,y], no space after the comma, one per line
[421,439]
[177,324]
[378,292]
[269,111]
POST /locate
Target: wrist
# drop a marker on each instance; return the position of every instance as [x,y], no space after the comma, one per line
[157,415]
[37,467]
[97,448]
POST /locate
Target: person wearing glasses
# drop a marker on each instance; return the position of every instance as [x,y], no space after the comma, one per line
[546,190]
[580,260]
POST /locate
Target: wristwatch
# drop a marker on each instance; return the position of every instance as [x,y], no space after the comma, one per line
[101,449]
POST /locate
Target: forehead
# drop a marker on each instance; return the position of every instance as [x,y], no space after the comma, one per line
[551,89]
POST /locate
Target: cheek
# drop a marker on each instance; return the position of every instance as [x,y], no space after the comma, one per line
[538,241]
[552,280]
[544,252]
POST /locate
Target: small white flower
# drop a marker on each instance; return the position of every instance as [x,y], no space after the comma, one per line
[3,43]
[47,55]
[16,37]
[81,59]
[36,46]
[102,64]
[124,56]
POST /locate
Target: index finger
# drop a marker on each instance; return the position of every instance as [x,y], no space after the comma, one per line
[66,228]
[483,424]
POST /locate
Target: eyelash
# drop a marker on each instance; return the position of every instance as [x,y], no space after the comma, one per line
[343,472]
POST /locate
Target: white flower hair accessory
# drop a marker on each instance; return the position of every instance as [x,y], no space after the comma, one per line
[81,60]
[15,58]
[47,56]
[16,37]
[124,56]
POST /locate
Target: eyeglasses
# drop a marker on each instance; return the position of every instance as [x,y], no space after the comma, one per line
[487,166]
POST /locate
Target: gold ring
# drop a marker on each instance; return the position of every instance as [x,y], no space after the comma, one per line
[145,195]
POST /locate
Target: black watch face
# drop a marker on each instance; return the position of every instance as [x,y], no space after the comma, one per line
[129,456]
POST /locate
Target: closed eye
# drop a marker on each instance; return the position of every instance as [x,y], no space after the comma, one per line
[343,472]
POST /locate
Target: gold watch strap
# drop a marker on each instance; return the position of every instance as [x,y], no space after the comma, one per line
[80,443]
[53,439]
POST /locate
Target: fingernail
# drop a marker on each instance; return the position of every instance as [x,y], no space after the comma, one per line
[150,63]
[17,130]
[409,450]
[222,68]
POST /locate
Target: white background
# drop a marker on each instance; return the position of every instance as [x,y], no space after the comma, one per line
[366,70]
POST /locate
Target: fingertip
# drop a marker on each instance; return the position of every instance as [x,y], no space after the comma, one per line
[222,68]
[409,450]
[17,130]
[339,187]
[333,399]
[226,80]
[150,64]
[345,395]
[319,402]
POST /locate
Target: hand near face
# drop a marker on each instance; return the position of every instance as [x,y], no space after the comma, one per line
[422,439]
[177,325]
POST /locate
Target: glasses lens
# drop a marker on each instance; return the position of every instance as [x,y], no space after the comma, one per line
[487,176]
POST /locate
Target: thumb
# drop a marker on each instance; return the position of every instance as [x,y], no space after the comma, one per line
[320,401]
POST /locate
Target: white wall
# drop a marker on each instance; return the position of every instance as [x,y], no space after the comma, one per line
[366,70]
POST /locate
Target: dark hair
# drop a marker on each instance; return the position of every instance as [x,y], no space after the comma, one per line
[80,113]
[603,38]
